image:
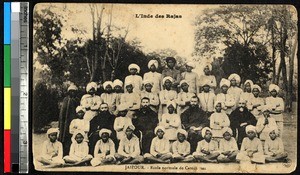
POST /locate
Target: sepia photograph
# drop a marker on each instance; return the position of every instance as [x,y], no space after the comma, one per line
[164,88]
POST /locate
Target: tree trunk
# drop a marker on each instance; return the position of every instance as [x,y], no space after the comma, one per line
[273,56]
[291,75]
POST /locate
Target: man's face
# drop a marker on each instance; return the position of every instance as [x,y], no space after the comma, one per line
[53,137]
[255,92]
[170,63]
[208,135]
[133,71]
[242,104]
[233,82]
[160,133]
[224,88]
[123,113]
[104,107]
[108,88]
[152,68]
[227,136]
[92,91]
[206,71]
[273,93]
[194,102]
[189,68]
[272,135]
[206,88]
[168,84]
[118,88]
[105,136]
[145,103]
[129,88]
[266,113]
[248,87]
[129,132]
[181,137]
[148,87]
[171,109]
[185,87]
[79,138]
[251,134]
[80,114]
[218,107]
[72,93]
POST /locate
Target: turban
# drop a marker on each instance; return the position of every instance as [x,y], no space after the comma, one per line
[134,66]
[107,83]
[104,130]
[250,128]
[236,77]
[90,86]
[249,81]
[80,108]
[208,65]
[274,87]
[182,131]
[72,87]
[153,62]
[75,134]
[227,129]
[183,81]
[169,103]
[130,126]
[147,81]
[255,86]
[53,130]
[129,83]
[117,82]
[222,104]
[264,108]
[167,78]
[191,64]
[224,82]
[170,59]
[242,100]
[203,131]
[159,127]
[122,107]
[274,128]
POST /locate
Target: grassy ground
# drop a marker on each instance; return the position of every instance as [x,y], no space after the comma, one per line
[289,138]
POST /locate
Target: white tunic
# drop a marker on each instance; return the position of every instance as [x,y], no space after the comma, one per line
[192,79]
[155,77]
[207,101]
[137,82]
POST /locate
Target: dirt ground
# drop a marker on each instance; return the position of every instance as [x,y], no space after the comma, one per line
[290,144]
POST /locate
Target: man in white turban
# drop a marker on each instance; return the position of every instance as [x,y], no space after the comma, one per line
[153,76]
[208,77]
[166,95]
[192,78]
[277,106]
[108,96]
[224,97]
[91,101]
[255,101]
[134,78]
[235,89]
[171,71]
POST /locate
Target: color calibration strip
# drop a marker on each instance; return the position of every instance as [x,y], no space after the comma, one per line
[7,88]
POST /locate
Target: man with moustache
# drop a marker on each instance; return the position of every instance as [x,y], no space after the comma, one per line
[239,119]
[193,120]
[144,121]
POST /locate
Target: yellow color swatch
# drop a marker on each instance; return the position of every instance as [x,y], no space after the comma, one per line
[7,108]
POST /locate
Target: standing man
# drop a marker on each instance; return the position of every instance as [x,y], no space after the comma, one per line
[172,72]
[193,120]
[66,115]
[145,120]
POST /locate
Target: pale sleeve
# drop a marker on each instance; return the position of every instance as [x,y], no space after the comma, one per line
[60,151]
[44,149]
[72,150]
[87,126]
[137,100]
[234,145]
[121,149]
[97,103]
[71,127]
[243,145]
[112,148]
[152,148]
[226,121]
[174,148]
[199,147]
[230,101]
[188,149]
[260,147]
[250,104]
[260,125]
[176,122]
[86,149]
[179,100]
[96,149]
[266,148]
[84,102]
[281,147]
[212,121]
[140,82]
[167,147]
[197,80]
[137,150]
[281,105]
[123,100]
[162,98]
[118,124]
[155,99]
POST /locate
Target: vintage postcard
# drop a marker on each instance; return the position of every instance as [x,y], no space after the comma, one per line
[165,88]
